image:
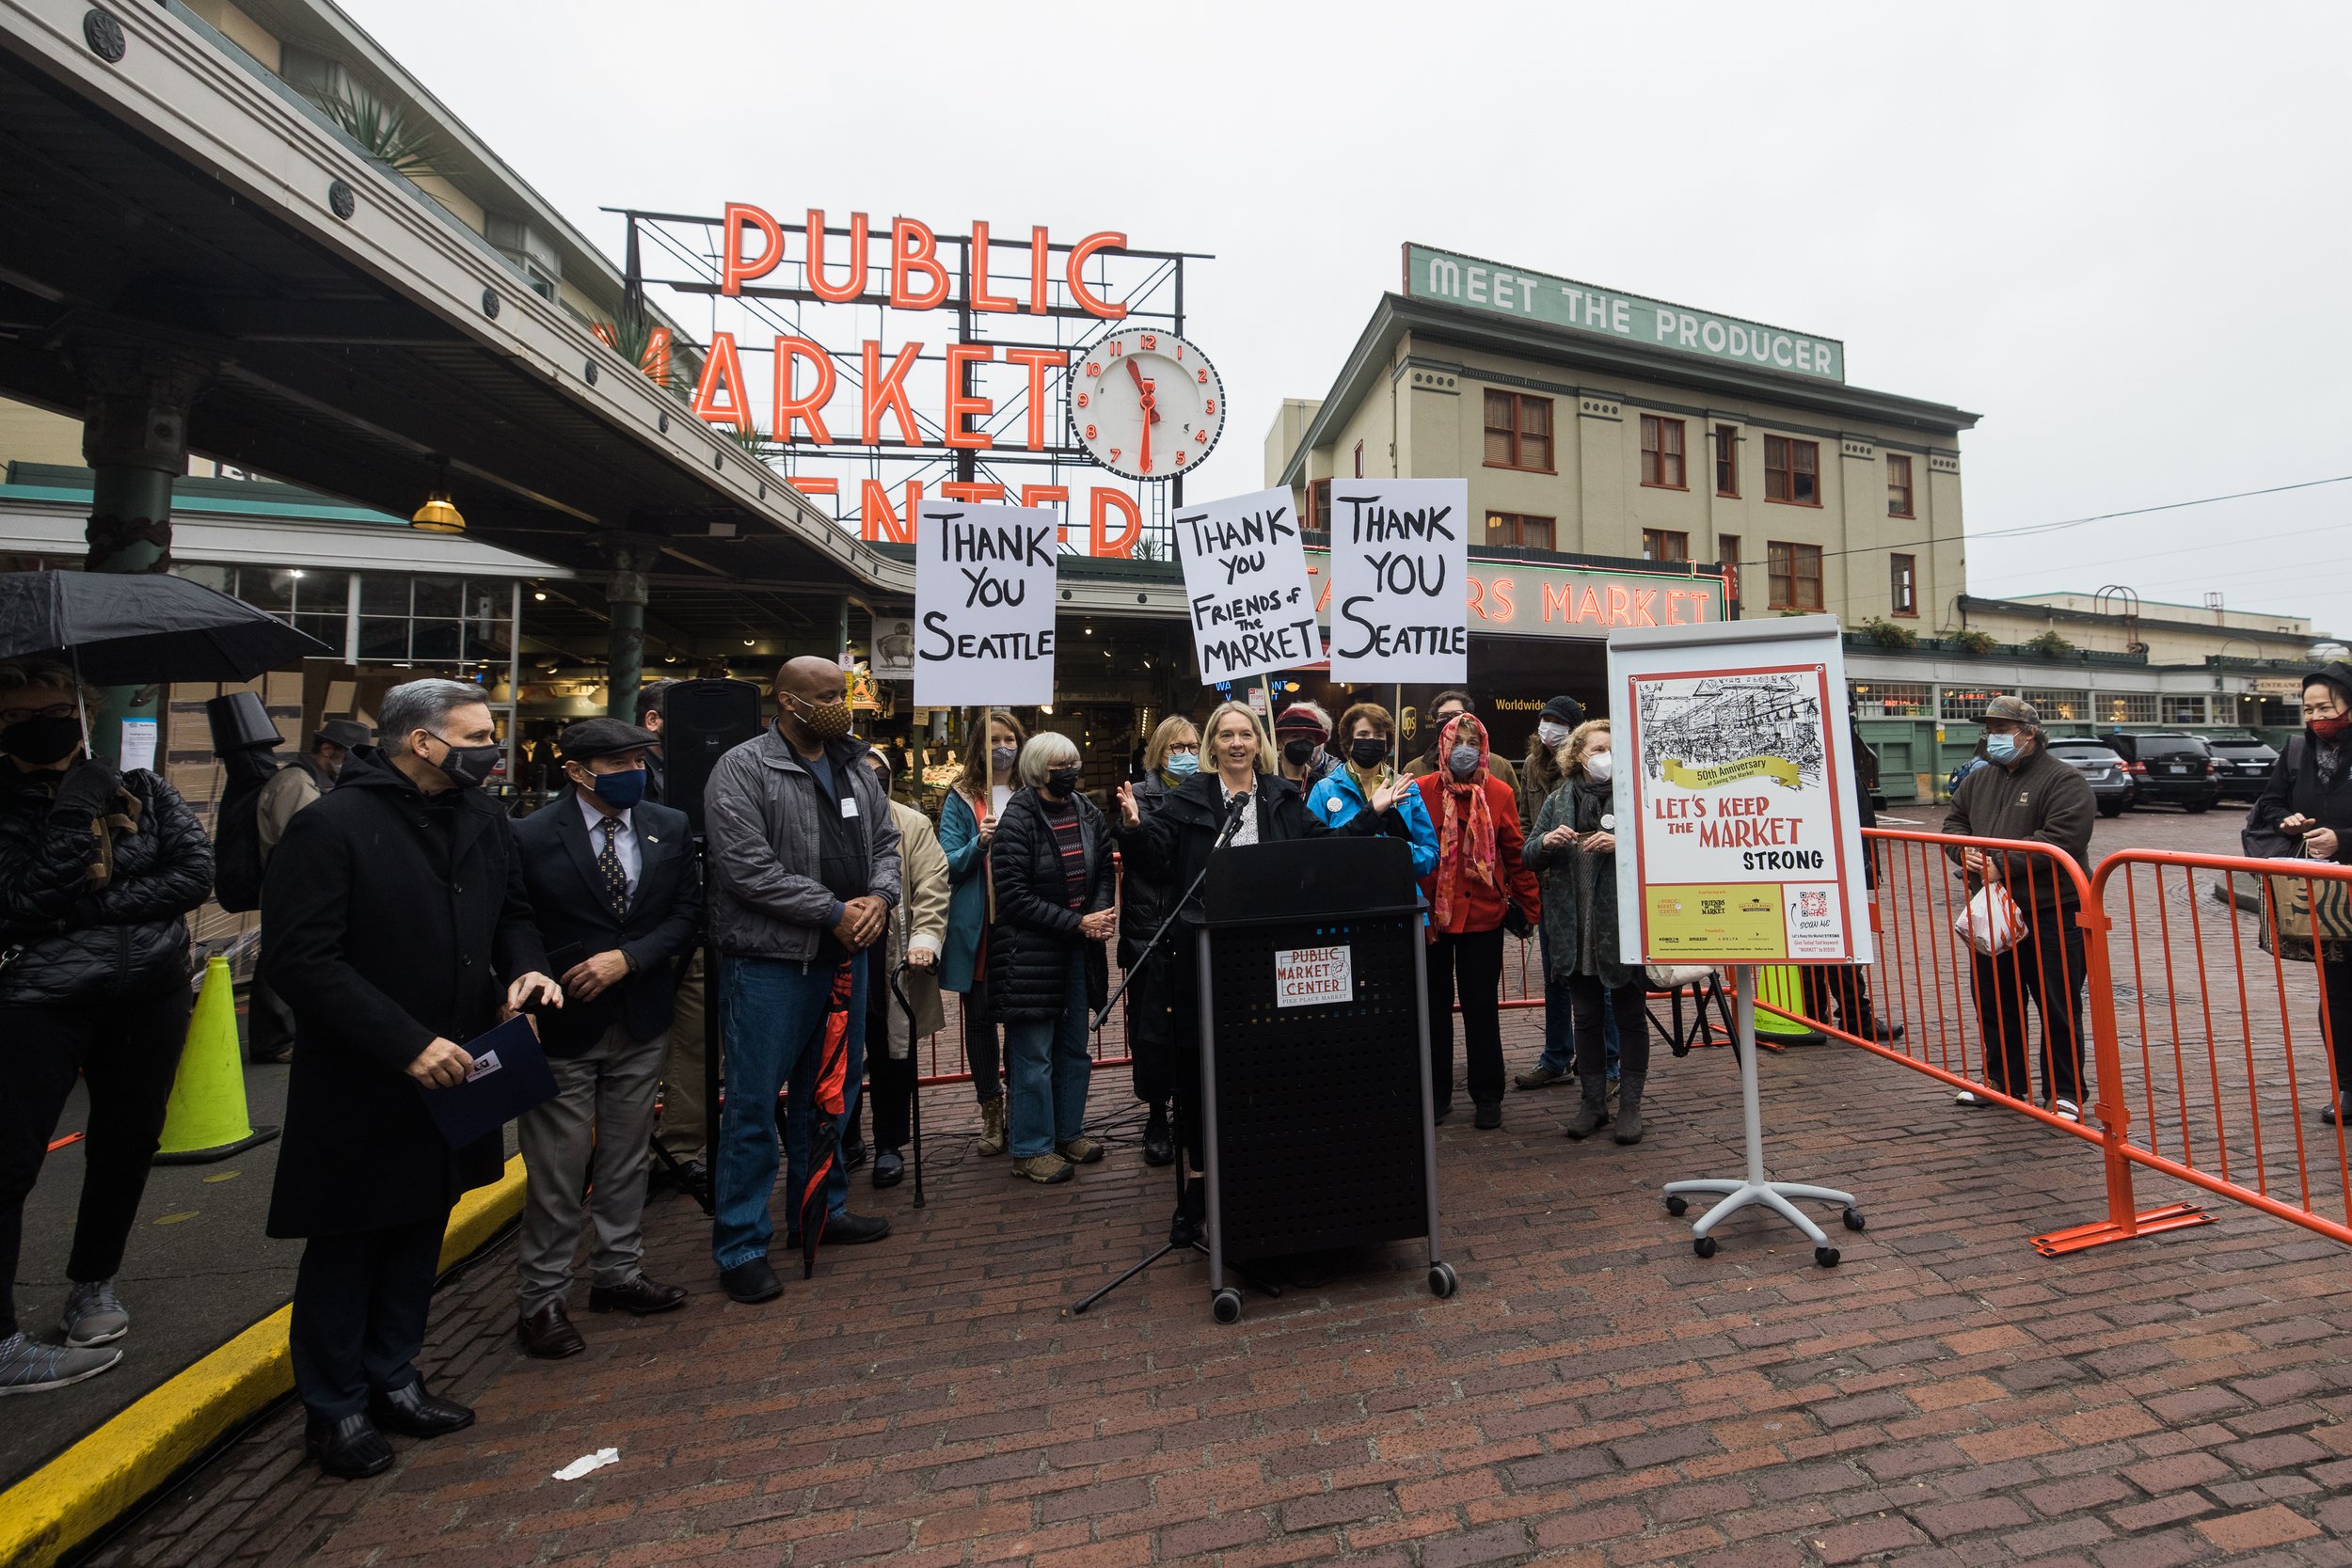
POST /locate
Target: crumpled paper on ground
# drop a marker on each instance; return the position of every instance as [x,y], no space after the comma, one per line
[588,1462]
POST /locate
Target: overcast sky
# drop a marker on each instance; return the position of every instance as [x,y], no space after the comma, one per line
[2117,233]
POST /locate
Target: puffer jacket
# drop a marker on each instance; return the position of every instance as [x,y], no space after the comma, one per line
[760,812]
[1142,901]
[61,942]
[1029,946]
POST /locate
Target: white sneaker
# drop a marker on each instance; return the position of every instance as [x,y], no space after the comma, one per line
[2066,1110]
[1970,1098]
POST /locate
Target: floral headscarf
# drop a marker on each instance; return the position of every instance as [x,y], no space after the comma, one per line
[1466,829]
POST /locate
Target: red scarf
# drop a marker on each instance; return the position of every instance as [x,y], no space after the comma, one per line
[1465,831]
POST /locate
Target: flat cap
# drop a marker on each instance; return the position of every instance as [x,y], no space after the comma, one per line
[347,732]
[2015,709]
[601,738]
[1304,717]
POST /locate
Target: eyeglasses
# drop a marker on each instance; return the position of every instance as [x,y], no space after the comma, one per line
[18,714]
[1190,748]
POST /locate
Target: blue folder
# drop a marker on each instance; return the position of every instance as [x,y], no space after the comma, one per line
[510,1076]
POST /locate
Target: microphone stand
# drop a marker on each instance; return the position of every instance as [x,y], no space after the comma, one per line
[1225,836]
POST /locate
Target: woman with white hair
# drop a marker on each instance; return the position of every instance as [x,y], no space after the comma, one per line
[1056,904]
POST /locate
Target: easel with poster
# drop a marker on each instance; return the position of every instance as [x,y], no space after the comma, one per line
[1744,849]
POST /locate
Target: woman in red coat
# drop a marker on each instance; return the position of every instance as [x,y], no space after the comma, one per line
[1479,887]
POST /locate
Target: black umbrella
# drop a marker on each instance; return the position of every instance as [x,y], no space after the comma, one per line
[130,628]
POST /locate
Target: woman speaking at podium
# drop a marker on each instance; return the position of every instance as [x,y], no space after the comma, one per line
[1173,846]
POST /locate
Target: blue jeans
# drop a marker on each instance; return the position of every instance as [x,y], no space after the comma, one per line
[1046,1060]
[1559,1017]
[775,1034]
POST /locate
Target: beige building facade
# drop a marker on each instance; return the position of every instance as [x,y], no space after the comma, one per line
[1602,435]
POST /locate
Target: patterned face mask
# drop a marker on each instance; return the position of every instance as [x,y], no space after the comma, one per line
[825,721]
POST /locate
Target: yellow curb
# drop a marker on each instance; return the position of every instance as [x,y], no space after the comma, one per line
[107,1473]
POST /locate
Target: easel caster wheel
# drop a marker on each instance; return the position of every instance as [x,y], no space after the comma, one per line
[1225,1306]
[1677,1206]
[1825,1255]
[1854,1220]
[1703,1245]
[1442,1280]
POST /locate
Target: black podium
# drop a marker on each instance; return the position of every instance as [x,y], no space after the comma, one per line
[1315,1055]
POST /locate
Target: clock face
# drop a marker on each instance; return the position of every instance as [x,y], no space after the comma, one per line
[1145,404]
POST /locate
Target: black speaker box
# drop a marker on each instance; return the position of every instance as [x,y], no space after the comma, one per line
[701,721]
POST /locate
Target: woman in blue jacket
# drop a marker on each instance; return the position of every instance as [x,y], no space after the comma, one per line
[967,825]
[1365,732]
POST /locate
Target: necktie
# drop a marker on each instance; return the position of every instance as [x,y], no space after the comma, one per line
[609,862]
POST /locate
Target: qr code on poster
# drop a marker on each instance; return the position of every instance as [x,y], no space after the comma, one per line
[1813,906]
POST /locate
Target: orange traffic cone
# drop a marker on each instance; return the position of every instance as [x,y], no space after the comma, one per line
[206,1119]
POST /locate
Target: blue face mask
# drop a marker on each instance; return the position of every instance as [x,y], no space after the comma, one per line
[2001,747]
[621,790]
[1182,765]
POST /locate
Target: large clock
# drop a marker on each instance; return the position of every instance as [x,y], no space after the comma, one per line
[1145,404]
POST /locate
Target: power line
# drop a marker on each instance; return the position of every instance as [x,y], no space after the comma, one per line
[1966,536]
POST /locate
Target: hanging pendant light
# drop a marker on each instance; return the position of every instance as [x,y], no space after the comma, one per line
[438,514]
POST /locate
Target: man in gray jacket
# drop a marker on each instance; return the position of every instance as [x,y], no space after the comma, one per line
[2029,793]
[804,873]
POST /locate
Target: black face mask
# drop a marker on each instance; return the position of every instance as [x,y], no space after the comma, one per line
[1367,751]
[43,740]
[1061,783]
[1299,753]
[470,767]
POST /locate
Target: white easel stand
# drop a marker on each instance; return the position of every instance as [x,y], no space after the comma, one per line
[1755,1188]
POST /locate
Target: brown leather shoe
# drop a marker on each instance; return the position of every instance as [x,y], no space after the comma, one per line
[640,1296]
[548,1333]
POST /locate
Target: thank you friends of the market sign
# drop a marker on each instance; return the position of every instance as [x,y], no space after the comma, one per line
[1246,588]
[1399,550]
[983,604]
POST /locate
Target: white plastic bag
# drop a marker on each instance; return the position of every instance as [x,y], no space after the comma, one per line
[1991,922]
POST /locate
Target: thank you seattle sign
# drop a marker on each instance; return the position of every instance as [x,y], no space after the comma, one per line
[1533,296]
[984,604]
[1400,549]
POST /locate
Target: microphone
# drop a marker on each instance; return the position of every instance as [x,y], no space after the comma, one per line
[1232,820]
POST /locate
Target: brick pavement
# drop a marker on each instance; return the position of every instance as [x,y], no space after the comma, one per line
[1595,1395]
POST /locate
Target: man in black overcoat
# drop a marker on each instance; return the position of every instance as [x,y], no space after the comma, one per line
[617,899]
[395,924]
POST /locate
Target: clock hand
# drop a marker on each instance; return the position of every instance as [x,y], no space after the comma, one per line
[1145,387]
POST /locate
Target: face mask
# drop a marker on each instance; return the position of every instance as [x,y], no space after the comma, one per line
[468,766]
[1599,766]
[1463,760]
[2326,729]
[1298,753]
[825,721]
[1551,732]
[1183,764]
[1367,751]
[2001,747]
[1001,757]
[43,740]
[1063,782]
[620,790]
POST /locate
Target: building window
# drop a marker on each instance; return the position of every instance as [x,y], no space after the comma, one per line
[1902,583]
[1889,699]
[1796,571]
[1966,702]
[1897,485]
[1727,460]
[1319,504]
[1792,471]
[1519,530]
[2127,707]
[1662,453]
[1519,432]
[1727,554]
[307,600]
[2184,710]
[1359,460]
[1662,544]
[2059,707]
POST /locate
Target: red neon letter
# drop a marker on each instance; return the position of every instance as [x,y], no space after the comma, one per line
[1040,255]
[923,257]
[1039,361]
[723,372]
[733,269]
[1078,290]
[974,491]
[808,486]
[976,286]
[960,403]
[876,521]
[1104,500]
[889,391]
[1044,494]
[1556,597]
[836,293]
[808,410]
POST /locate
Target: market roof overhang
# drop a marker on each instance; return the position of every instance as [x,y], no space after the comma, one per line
[1369,364]
[365,355]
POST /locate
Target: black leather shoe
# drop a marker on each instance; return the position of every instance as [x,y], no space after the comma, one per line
[413,1413]
[639,1297]
[691,1176]
[1445,1109]
[1159,1141]
[351,1449]
[853,1155]
[1489,1116]
[548,1333]
[890,1168]
[752,1282]
[1183,1229]
[848,1229]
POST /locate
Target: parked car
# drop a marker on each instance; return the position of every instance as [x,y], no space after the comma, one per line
[2169,767]
[2109,775]
[2244,760]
